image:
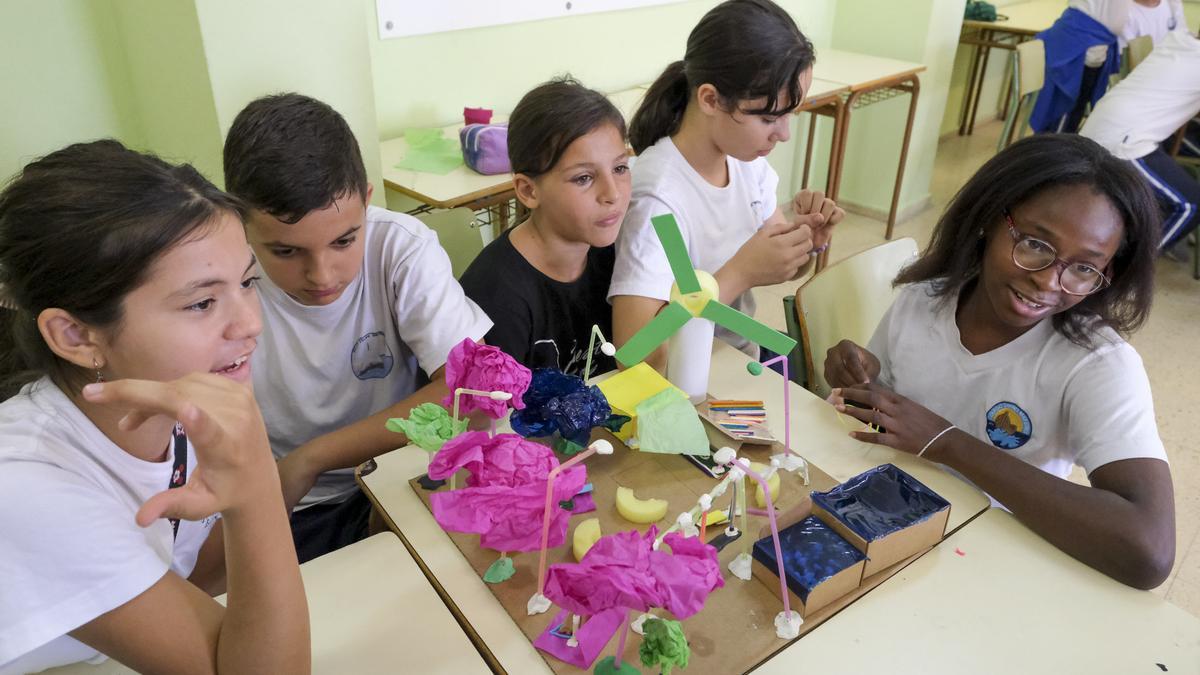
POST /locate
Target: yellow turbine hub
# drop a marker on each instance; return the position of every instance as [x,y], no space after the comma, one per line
[695,302]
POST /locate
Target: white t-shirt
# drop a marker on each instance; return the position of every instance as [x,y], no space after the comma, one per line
[715,221]
[318,369]
[1113,14]
[70,549]
[1156,22]
[1040,398]
[1149,105]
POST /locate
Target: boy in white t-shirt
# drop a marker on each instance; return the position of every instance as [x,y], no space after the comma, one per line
[1004,361]
[360,309]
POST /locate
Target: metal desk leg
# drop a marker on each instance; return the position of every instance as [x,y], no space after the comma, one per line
[914,88]
[979,86]
[972,78]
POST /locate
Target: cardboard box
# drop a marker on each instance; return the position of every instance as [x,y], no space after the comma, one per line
[886,513]
[820,565]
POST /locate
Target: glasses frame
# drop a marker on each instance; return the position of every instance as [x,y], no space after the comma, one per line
[1061,263]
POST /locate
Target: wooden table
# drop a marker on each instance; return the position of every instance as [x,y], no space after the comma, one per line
[815,427]
[1022,21]
[371,611]
[871,79]
[995,598]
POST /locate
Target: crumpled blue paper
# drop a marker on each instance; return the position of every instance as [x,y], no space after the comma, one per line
[559,403]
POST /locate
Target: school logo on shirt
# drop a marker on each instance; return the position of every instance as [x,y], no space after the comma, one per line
[1008,426]
[371,358]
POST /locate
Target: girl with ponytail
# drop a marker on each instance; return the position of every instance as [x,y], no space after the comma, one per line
[702,134]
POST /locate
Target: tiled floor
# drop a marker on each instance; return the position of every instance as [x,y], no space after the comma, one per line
[1167,343]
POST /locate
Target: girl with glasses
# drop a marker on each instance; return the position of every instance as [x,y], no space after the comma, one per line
[1004,355]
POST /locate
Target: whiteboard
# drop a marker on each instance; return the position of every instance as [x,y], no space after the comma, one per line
[401,18]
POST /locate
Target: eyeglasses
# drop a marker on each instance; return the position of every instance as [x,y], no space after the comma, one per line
[1032,254]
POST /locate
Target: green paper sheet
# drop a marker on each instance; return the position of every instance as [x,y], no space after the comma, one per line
[429,152]
[668,424]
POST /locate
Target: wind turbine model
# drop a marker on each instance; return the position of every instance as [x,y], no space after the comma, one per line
[693,296]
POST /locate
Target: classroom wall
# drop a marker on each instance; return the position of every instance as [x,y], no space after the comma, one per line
[315,47]
[426,80]
[169,76]
[170,91]
[921,31]
[64,79]
[994,82]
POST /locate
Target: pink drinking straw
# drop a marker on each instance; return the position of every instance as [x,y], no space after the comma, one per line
[494,395]
[601,446]
[787,402]
[783,591]
[621,641]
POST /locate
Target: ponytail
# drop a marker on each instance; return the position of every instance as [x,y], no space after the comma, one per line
[746,49]
[661,109]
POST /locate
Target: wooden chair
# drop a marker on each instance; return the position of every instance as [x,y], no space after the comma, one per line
[845,301]
[1028,76]
[1139,48]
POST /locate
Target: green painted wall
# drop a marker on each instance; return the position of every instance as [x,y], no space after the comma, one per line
[170,91]
[64,79]
[315,47]
[426,80]
[921,31]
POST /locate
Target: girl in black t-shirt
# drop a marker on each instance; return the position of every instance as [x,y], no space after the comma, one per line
[544,282]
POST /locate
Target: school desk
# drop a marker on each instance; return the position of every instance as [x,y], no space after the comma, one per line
[371,611]
[462,186]
[871,79]
[995,599]
[481,614]
[1021,22]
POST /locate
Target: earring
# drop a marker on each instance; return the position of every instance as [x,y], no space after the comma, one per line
[981,234]
[96,366]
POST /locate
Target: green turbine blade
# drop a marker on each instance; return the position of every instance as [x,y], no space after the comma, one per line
[653,334]
[677,253]
[759,334]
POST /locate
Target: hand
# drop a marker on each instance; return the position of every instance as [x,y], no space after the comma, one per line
[847,365]
[815,202]
[776,252]
[910,426]
[222,420]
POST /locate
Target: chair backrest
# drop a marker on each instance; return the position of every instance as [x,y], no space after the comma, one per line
[845,301]
[459,233]
[1139,49]
[1031,59]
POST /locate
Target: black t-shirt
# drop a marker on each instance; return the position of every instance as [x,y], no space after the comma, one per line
[541,322]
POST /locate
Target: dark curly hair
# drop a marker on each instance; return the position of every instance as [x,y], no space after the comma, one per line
[1014,176]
